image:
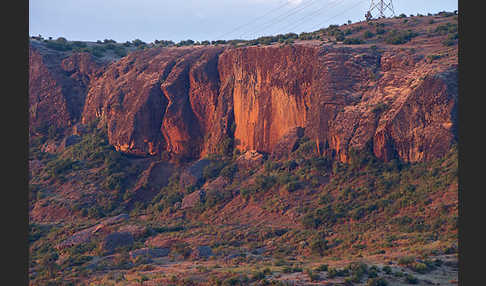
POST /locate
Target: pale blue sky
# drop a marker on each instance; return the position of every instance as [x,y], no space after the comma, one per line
[148,20]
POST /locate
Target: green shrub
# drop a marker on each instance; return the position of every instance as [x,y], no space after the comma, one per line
[368,34]
[115,181]
[318,245]
[312,276]
[334,272]
[138,43]
[120,51]
[98,51]
[213,170]
[188,42]
[448,28]
[406,260]
[353,41]
[377,282]
[410,279]
[422,268]
[396,37]
[357,271]
[379,108]
[380,28]
[238,280]
[293,186]
[387,269]
[229,171]
[59,167]
[52,132]
[451,40]
[309,221]
[287,269]
[322,267]
[264,183]
[214,197]
[60,44]
[246,193]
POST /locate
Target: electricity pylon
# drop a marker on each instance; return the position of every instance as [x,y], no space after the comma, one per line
[382,7]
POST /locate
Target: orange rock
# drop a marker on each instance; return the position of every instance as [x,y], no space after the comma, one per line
[189,103]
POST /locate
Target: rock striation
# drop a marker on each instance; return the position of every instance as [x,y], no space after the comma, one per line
[187,103]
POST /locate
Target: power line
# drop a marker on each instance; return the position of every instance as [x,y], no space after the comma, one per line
[255,19]
[294,11]
[284,16]
[307,17]
[343,12]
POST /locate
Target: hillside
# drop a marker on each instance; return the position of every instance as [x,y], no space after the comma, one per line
[248,162]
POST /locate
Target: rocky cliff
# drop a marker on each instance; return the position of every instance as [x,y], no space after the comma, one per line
[190,102]
[57,87]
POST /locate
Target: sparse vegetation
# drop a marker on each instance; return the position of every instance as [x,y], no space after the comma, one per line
[396,37]
[331,212]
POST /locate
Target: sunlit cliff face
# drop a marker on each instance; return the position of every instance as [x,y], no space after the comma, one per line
[190,101]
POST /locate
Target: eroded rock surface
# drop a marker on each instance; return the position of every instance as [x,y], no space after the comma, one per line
[188,103]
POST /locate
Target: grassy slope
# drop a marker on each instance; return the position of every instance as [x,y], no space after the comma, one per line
[301,210]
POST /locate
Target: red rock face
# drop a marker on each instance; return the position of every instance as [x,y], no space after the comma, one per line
[423,127]
[186,101]
[157,100]
[277,89]
[408,113]
[57,87]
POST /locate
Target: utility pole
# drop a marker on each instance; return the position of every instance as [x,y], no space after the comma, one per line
[381,6]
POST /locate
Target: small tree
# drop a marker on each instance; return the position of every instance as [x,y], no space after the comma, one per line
[142,279]
[319,244]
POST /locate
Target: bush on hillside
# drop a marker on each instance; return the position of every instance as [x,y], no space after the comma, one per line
[396,37]
[353,41]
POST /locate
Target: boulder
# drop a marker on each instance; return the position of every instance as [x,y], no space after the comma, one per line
[116,240]
[79,237]
[49,146]
[116,219]
[288,143]
[149,252]
[201,251]
[161,241]
[250,159]
[217,184]
[70,140]
[135,230]
[193,173]
[193,199]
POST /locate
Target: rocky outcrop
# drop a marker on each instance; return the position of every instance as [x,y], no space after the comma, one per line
[116,240]
[57,87]
[187,103]
[277,89]
[151,180]
[193,199]
[202,251]
[161,241]
[250,159]
[149,252]
[193,173]
[157,100]
[288,142]
[409,113]
[85,235]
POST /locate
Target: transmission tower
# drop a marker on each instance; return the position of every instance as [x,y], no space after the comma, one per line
[380,6]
